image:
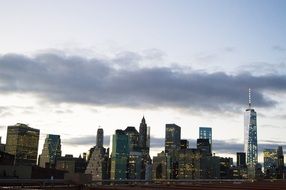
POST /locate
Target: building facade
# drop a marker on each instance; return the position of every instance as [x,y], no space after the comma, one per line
[250,135]
[22,142]
[99,137]
[51,151]
[119,156]
[172,138]
[206,133]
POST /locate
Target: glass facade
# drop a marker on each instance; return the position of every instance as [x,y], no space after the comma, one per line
[51,151]
[206,133]
[172,138]
[22,141]
[250,137]
[119,156]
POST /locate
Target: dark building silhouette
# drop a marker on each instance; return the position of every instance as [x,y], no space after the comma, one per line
[6,159]
[226,168]
[241,159]
[281,167]
[184,144]
[22,142]
[144,145]
[204,146]
[71,164]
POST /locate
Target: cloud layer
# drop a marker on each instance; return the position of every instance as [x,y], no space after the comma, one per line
[219,146]
[121,82]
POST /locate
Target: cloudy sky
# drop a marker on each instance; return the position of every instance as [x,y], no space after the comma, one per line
[67,67]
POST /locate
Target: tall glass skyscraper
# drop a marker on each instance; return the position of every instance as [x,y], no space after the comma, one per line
[206,133]
[51,151]
[250,135]
[22,142]
[172,138]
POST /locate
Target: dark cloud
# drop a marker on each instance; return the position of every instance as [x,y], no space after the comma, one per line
[88,140]
[111,82]
[225,146]
[279,48]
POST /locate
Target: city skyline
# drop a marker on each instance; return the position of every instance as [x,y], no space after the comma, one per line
[68,67]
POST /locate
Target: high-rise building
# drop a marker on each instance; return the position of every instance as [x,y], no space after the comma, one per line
[51,151]
[206,133]
[250,135]
[172,138]
[144,145]
[119,156]
[97,165]
[22,142]
[240,159]
[281,167]
[133,139]
[161,168]
[204,146]
[270,162]
[189,164]
[184,144]
[143,137]
[99,137]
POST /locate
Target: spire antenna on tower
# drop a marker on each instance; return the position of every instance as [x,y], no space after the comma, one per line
[249,97]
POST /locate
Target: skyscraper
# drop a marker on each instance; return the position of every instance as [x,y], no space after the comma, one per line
[204,146]
[99,137]
[143,136]
[270,163]
[250,135]
[133,137]
[144,145]
[119,156]
[280,156]
[240,159]
[51,151]
[22,142]
[172,138]
[206,133]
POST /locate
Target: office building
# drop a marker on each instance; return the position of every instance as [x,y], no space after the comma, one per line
[240,159]
[189,164]
[71,164]
[133,139]
[226,168]
[51,151]
[204,146]
[119,156]
[161,168]
[270,163]
[97,165]
[22,142]
[99,137]
[172,138]
[280,164]
[143,136]
[250,135]
[206,133]
[134,165]
[184,144]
